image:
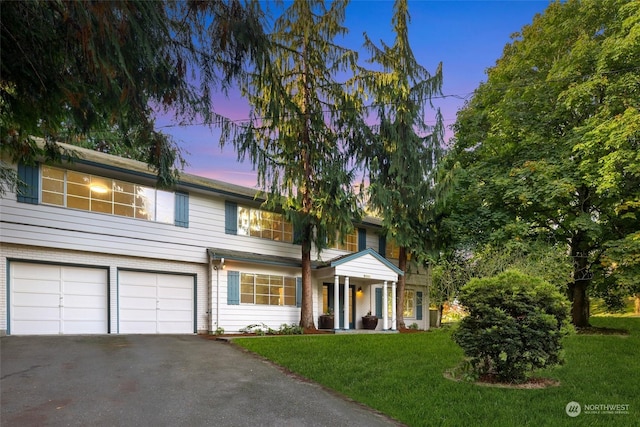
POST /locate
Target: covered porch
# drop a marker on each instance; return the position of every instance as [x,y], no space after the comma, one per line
[358,284]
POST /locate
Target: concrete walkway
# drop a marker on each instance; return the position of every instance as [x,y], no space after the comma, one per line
[142,380]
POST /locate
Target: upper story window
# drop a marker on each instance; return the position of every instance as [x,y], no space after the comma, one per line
[79,190]
[392,250]
[350,242]
[264,224]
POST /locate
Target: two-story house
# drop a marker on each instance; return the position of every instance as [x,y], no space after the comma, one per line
[92,247]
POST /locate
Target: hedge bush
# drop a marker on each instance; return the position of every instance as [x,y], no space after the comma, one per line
[515,324]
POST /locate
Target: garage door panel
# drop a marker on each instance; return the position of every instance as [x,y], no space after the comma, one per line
[35,300]
[39,290]
[83,275]
[43,327]
[45,286]
[136,303]
[174,315]
[137,291]
[32,271]
[83,301]
[30,313]
[175,281]
[137,278]
[166,307]
[174,327]
[138,314]
[176,305]
[84,314]
[141,327]
[84,327]
[175,293]
[91,289]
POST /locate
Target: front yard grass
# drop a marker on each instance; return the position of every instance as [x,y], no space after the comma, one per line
[401,375]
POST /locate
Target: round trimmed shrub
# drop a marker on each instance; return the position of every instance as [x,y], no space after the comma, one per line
[515,325]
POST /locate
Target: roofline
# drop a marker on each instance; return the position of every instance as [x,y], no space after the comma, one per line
[369,251]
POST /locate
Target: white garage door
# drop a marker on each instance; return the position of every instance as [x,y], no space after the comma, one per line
[53,299]
[155,303]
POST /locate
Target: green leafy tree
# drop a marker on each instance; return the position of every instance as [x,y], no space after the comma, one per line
[96,73]
[404,151]
[302,125]
[549,146]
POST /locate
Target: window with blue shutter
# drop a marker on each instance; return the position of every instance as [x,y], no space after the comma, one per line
[298,291]
[182,210]
[29,187]
[379,302]
[418,305]
[230,217]
[362,239]
[382,246]
[233,287]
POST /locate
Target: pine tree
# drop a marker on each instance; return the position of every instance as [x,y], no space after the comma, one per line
[302,124]
[96,73]
[405,150]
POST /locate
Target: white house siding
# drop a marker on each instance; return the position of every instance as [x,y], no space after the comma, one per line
[232,318]
[56,234]
[24,253]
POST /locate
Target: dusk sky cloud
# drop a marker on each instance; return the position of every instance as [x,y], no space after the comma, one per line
[466,36]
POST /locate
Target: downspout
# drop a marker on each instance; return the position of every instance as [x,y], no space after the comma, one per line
[210,296]
[217,298]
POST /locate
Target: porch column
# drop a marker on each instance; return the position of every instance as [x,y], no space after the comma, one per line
[346,302]
[336,302]
[385,302]
[394,314]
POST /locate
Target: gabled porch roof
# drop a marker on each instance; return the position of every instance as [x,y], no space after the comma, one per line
[366,264]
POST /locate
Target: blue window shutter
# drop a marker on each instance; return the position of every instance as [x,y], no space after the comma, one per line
[379,302]
[230,217]
[182,210]
[382,246]
[233,287]
[29,191]
[298,291]
[418,305]
[362,239]
[297,234]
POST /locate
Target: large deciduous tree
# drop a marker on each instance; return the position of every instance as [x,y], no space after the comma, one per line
[550,144]
[302,124]
[404,151]
[96,73]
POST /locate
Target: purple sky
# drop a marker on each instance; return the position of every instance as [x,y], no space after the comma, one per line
[466,36]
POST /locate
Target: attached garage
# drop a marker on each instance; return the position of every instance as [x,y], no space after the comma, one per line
[155,303]
[49,299]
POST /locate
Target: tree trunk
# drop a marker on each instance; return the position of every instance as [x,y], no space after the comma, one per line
[402,265]
[440,312]
[306,312]
[637,303]
[580,304]
[581,280]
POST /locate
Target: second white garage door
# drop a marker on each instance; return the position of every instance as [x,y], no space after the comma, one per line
[155,303]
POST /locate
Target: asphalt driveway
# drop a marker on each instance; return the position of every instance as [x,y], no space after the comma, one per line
[140,380]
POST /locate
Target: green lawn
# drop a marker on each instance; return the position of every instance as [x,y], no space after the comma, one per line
[401,375]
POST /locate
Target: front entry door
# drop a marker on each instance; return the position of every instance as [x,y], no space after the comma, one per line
[328,291]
